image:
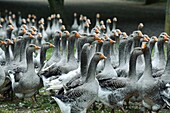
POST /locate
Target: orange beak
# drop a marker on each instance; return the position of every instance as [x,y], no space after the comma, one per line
[10,42]
[67,33]
[37,47]
[106,36]
[97,31]
[52,46]
[145,39]
[155,39]
[140,34]
[166,38]
[102,56]
[100,41]
[143,45]
[12,27]
[112,42]
[3,42]
[77,35]
[96,37]
[31,36]
[109,21]
[24,31]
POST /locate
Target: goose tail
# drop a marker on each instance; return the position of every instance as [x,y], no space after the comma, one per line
[65,108]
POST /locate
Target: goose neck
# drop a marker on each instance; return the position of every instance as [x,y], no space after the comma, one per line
[121,53]
[7,55]
[91,73]
[148,64]
[42,55]
[84,63]
[71,42]
[161,51]
[167,68]
[132,66]
[29,58]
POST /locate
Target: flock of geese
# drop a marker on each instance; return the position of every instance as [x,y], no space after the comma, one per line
[87,65]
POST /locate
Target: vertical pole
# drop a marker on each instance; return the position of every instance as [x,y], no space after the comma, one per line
[167,18]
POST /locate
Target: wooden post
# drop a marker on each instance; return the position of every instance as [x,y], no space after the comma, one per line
[167,18]
[57,6]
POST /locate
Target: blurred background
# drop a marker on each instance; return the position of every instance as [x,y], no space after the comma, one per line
[128,12]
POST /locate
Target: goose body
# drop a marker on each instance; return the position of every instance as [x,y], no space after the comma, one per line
[113,92]
[87,92]
[25,87]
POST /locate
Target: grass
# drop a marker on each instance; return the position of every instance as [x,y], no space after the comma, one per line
[43,104]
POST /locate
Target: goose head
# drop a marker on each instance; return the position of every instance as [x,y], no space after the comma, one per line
[66,34]
[153,39]
[24,21]
[48,45]
[140,26]
[99,56]
[33,47]
[137,34]
[57,35]
[39,36]
[8,42]
[34,29]
[162,38]
[75,34]
[22,31]
[28,36]
[41,27]
[63,28]
[10,27]
[145,46]
[95,31]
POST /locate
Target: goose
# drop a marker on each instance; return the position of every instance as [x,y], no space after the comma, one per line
[2,53]
[75,77]
[114,91]
[14,24]
[41,57]
[65,36]
[152,42]
[164,79]
[114,23]
[108,71]
[48,29]
[56,52]
[22,64]
[3,33]
[42,31]
[29,81]
[71,102]
[74,27]
[108,31]
[19,23]
[86,39]
[71,63]
[121,69]
[97,20]
[159,63]
[148,87]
